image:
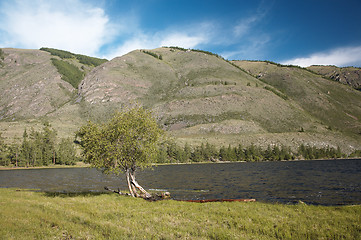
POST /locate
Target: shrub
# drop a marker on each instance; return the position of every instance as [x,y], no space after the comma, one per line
[60,53]
[153,54]
[285,97]
[2,57]
[90,61]
[69,72]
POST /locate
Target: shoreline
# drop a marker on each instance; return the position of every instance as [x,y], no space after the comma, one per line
[222,162]
[77,165]
[87,165]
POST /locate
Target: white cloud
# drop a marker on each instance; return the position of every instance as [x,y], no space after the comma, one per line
[137,41]
[79,27]
[190,38]
[346,56]
[70,25]
[183,40]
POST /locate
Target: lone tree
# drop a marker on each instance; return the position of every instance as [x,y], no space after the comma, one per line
[127,142]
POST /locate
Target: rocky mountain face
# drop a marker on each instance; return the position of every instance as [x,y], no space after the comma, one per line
[195,95]
[346,75]
[30,85]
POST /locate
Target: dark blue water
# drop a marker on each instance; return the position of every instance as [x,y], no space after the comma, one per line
[325,182]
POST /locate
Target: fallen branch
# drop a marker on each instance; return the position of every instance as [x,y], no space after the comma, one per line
[155,197]
[116,191]
[221,200]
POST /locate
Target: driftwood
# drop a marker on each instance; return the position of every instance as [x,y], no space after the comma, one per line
[155,197]
[221,200]
[166,195]
[117,191]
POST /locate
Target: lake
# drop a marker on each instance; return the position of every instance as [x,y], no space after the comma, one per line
[325,182]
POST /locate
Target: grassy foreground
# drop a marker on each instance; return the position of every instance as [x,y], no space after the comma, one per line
[35,215]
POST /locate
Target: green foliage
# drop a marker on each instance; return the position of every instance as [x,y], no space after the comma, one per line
[308,152]
[197,50]
[4,161]
[2,54]
[69,72]
[356,153]
[90,61]
[66,153]
[178,48]
[172,153]
[129,140]
[220,82]
[153,54]
[38,148]
[2,57]
[236,66]
[283,96]
[207,52]
[59,53]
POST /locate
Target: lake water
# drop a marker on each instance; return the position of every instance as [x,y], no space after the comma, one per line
[325,182]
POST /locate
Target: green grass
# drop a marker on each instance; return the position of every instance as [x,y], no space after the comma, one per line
[36,215]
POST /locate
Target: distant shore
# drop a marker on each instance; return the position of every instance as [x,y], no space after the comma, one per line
[77,165]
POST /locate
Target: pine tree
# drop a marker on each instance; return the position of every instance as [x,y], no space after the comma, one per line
[66,153]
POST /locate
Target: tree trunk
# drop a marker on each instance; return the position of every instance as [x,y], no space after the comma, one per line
[129,183]
[133,185]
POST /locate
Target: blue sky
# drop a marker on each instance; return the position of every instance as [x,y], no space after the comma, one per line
[323,32]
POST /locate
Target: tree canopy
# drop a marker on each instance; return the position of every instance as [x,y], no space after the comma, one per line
[127,142]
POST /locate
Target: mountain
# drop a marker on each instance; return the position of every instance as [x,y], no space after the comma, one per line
[196,95]
[334,104]
[346,75]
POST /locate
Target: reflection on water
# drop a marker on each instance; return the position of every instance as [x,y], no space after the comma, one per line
[326,182]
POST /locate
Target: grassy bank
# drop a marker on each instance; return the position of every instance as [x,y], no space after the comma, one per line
[35,215]
[76,165]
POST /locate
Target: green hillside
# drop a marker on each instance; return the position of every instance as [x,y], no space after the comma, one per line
[196,96]
[336,106]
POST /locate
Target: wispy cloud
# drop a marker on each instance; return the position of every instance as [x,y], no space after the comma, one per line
[71,25]
[344,56]
[253,49]
[248,39]
[243,27]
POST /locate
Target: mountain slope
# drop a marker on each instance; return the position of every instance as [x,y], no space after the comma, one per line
[195,95]
[187,88]
[199,96]
[335,105]
[35,83]
[30,85]
[346,75]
